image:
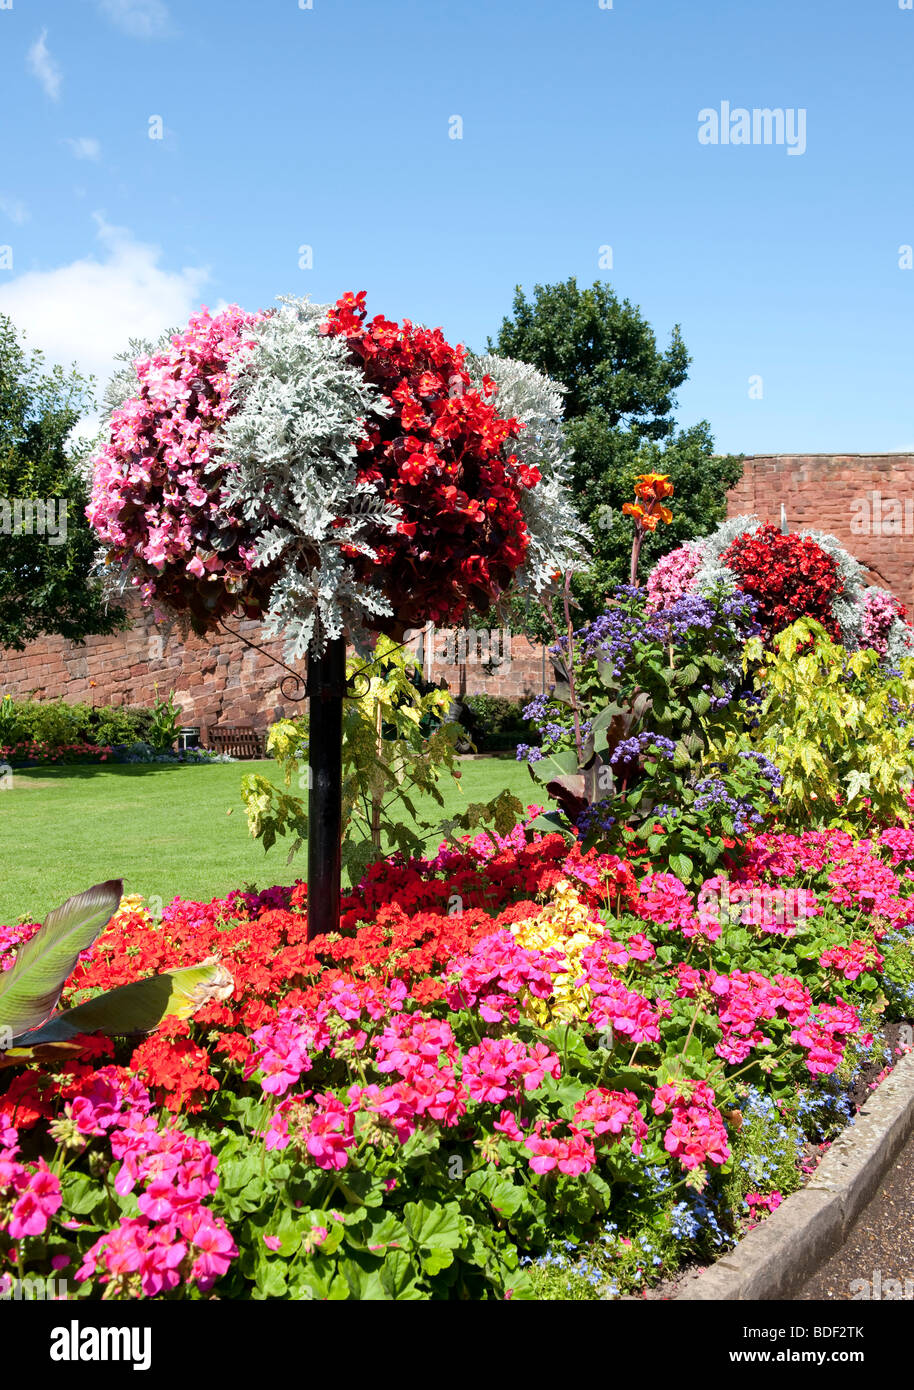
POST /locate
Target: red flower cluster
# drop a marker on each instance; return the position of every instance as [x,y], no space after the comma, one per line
[41,751]
[853,960]
[789,576]
[443,456]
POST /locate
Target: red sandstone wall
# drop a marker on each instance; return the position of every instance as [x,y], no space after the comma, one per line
[215,681]
[219,681]
[818,491]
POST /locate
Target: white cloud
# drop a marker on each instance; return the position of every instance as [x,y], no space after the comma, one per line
[86,312]
[15,209]
[84,147]
[43,66]
[142,19]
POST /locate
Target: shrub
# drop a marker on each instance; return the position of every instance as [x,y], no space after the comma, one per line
[55,730]
[326,472]
[494,722]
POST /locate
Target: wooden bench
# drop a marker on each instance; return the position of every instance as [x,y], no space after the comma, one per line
[238,740]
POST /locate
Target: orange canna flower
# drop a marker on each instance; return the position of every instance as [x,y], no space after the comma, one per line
[653,487]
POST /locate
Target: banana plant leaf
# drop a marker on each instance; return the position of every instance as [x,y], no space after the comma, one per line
[136,1008]
[571,794]
[30,991]
[50,1052]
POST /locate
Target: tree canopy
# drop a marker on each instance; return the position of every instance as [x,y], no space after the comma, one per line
[620,395]
[47,548]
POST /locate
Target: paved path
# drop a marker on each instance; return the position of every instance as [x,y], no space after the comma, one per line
[880,1246]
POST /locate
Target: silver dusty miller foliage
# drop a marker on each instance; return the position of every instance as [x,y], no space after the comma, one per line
[290,441]
[556,533]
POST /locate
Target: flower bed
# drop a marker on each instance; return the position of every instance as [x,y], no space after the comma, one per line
[509,1048]
[34,753]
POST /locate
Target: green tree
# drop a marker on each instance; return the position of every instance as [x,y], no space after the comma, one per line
[619,404]
[47,550]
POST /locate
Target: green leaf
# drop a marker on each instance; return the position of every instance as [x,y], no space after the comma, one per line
[681,758]
[504,1196]
[433,1225]
[139,1007]
[397,1281]
[565,761]
[607,674]
[434,1261]
[271,1278]
[81,1194]
[681,866]
[30,991]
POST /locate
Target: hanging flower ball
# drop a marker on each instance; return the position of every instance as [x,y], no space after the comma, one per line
[558,540]
[326,474]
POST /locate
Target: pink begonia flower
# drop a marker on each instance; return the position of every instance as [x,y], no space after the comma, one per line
[216,1249]
[330,1133]
[9,1169]
[40,1198]
[573,1156]
[507,1124]
[609,1112]
[158,1202]
[28,1218]
[159,1267]
[273,1242]
[697,1134]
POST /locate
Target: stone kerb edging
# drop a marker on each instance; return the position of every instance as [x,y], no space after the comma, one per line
[776,1258]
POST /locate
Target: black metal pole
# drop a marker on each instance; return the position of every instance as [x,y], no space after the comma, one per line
[326,686]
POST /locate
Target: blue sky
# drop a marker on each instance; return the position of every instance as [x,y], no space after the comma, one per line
[329,127]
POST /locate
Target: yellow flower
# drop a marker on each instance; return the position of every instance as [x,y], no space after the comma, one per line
[132,905]
[564,924]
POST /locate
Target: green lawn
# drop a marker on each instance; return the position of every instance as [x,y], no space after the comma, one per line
[165,830]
